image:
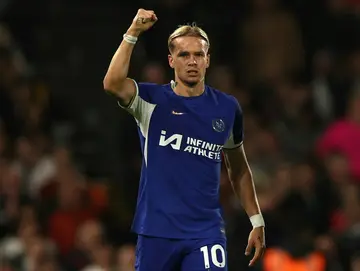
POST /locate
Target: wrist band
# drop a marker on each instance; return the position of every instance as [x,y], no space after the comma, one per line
[257,221]
[130,39]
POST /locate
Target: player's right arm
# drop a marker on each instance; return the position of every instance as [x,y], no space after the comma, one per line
[116,81]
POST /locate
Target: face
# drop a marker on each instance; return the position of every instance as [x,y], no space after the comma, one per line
[189,59]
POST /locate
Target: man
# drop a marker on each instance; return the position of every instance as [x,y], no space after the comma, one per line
[183,127]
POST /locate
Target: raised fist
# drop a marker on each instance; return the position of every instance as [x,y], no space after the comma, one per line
[143,20]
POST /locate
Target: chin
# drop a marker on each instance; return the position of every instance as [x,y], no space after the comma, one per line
[191,82]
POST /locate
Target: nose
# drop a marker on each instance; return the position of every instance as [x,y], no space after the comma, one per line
[192,60]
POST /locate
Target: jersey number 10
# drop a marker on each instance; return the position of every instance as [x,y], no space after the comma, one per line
[214,256]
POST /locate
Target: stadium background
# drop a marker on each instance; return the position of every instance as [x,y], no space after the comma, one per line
[70,158]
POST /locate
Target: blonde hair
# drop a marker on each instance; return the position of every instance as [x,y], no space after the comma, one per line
[188,30]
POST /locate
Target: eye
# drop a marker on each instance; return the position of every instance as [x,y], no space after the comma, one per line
[183,54]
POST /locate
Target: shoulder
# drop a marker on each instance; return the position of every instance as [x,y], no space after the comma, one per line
[151,92]
[224,100]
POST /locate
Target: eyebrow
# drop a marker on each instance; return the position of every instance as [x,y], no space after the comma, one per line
[187,52]
[182,52]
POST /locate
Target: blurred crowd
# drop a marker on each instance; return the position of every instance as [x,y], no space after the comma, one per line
[66,204]
[52,216]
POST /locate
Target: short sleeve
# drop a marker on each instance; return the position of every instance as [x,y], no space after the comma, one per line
[141,105]
[236,135]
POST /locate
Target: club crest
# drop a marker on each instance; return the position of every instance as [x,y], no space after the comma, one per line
[218,125]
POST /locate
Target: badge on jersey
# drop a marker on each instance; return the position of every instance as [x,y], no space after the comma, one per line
[218,125]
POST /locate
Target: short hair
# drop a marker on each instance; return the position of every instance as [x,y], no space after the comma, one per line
[188,30]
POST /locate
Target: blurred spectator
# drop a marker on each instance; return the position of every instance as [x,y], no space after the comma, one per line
[88,242]
[343,136]
[33,166]
[154,72]
[321,87]
[72,210]
[101,258]
[272,44]
[125,258]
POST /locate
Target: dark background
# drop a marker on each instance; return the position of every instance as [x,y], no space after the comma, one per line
[70,158]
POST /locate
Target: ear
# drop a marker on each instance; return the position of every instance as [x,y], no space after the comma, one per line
[208,61]
[171,61]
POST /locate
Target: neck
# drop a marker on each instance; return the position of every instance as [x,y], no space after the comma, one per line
[182,89]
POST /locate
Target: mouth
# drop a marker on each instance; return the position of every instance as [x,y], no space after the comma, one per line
[192,72]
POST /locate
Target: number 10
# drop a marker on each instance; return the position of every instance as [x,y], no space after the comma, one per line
[214,257]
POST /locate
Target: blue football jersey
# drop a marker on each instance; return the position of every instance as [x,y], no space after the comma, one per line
[181,141]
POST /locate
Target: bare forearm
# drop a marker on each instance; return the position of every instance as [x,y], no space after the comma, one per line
[245,190]
[119,65]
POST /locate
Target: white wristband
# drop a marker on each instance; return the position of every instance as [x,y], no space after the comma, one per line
[130,39]
[257,221]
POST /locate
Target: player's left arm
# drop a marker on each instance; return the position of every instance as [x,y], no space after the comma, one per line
[242,181]
[243,184]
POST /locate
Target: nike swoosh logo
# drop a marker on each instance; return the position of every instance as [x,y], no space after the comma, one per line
[177,113]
